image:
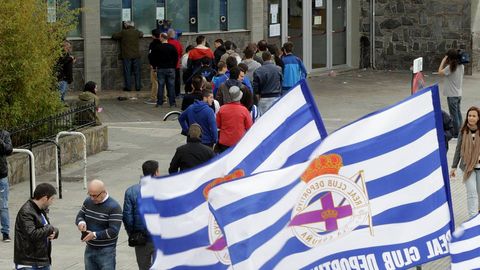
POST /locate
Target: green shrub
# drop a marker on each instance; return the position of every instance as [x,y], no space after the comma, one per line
[29,48]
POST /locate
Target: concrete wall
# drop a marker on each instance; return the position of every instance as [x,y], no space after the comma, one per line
[406,30]
[71,150]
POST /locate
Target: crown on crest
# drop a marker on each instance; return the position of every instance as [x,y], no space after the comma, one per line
[329,213]
[325,164]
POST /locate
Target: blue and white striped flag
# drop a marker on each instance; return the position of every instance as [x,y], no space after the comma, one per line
[465,245]
[376,197]
[175,209]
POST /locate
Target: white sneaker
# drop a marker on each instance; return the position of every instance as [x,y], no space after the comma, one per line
[150,102]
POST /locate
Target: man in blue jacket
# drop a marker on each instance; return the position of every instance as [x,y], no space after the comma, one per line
[138,235]
[294,69]
[200,113]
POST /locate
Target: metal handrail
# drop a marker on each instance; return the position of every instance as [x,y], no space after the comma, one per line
[32,168]
[74,133]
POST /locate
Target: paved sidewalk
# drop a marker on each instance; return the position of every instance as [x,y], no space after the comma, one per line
[136,134]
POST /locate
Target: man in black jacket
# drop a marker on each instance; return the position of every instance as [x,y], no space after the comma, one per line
[163,58]
[191,154]
[65,69]
[33,231]
[6,149]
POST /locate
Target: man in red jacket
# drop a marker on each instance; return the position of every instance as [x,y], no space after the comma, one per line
[233,121]
[196,54]
[178,46]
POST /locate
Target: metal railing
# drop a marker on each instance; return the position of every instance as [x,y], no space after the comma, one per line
[47,128]
[31,159]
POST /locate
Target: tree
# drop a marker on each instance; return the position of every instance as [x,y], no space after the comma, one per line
[29,48]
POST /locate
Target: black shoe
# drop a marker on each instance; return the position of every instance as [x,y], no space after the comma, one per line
[138,90]
[126,89]
[6,238]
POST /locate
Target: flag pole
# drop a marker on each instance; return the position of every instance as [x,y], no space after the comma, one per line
[364,187]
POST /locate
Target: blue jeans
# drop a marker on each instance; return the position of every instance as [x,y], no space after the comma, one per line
[472,184]
[127,73]
[34,268]
[4,218]
[62,87]
[265,103]
[455,113]
[166,76]
[100,258]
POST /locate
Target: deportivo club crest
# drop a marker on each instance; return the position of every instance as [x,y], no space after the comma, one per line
[218,243]
[331,205]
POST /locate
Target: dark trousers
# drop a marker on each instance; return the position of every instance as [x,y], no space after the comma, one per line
[220,148]
[177,82]
[127,73]
[166,76]
[455,113]
[145,255]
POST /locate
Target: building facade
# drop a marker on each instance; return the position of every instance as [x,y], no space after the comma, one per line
[327,34]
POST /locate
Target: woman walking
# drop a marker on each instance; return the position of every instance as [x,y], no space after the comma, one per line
[468,154]
[453,71]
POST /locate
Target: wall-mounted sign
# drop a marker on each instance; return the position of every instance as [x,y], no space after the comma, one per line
[274,30]
[160,13]
[126,14]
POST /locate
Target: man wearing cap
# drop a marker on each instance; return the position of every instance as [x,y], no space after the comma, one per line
[233,120]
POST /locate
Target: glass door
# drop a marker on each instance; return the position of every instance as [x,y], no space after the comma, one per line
[319,34]
[295,26]
[339,32]
[318,31]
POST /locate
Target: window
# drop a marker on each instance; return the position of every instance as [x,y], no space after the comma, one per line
[110,16]
[144,15]
[77,31]
[237,10]
[178,13]
[208,15]
[52,14]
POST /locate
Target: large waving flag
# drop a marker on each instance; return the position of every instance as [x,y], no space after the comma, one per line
[175,209]
[375,197]
[465,245]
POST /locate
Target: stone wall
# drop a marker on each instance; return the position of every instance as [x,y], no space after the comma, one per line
[406,30]
[112,74]
[78,67]
[71,151]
